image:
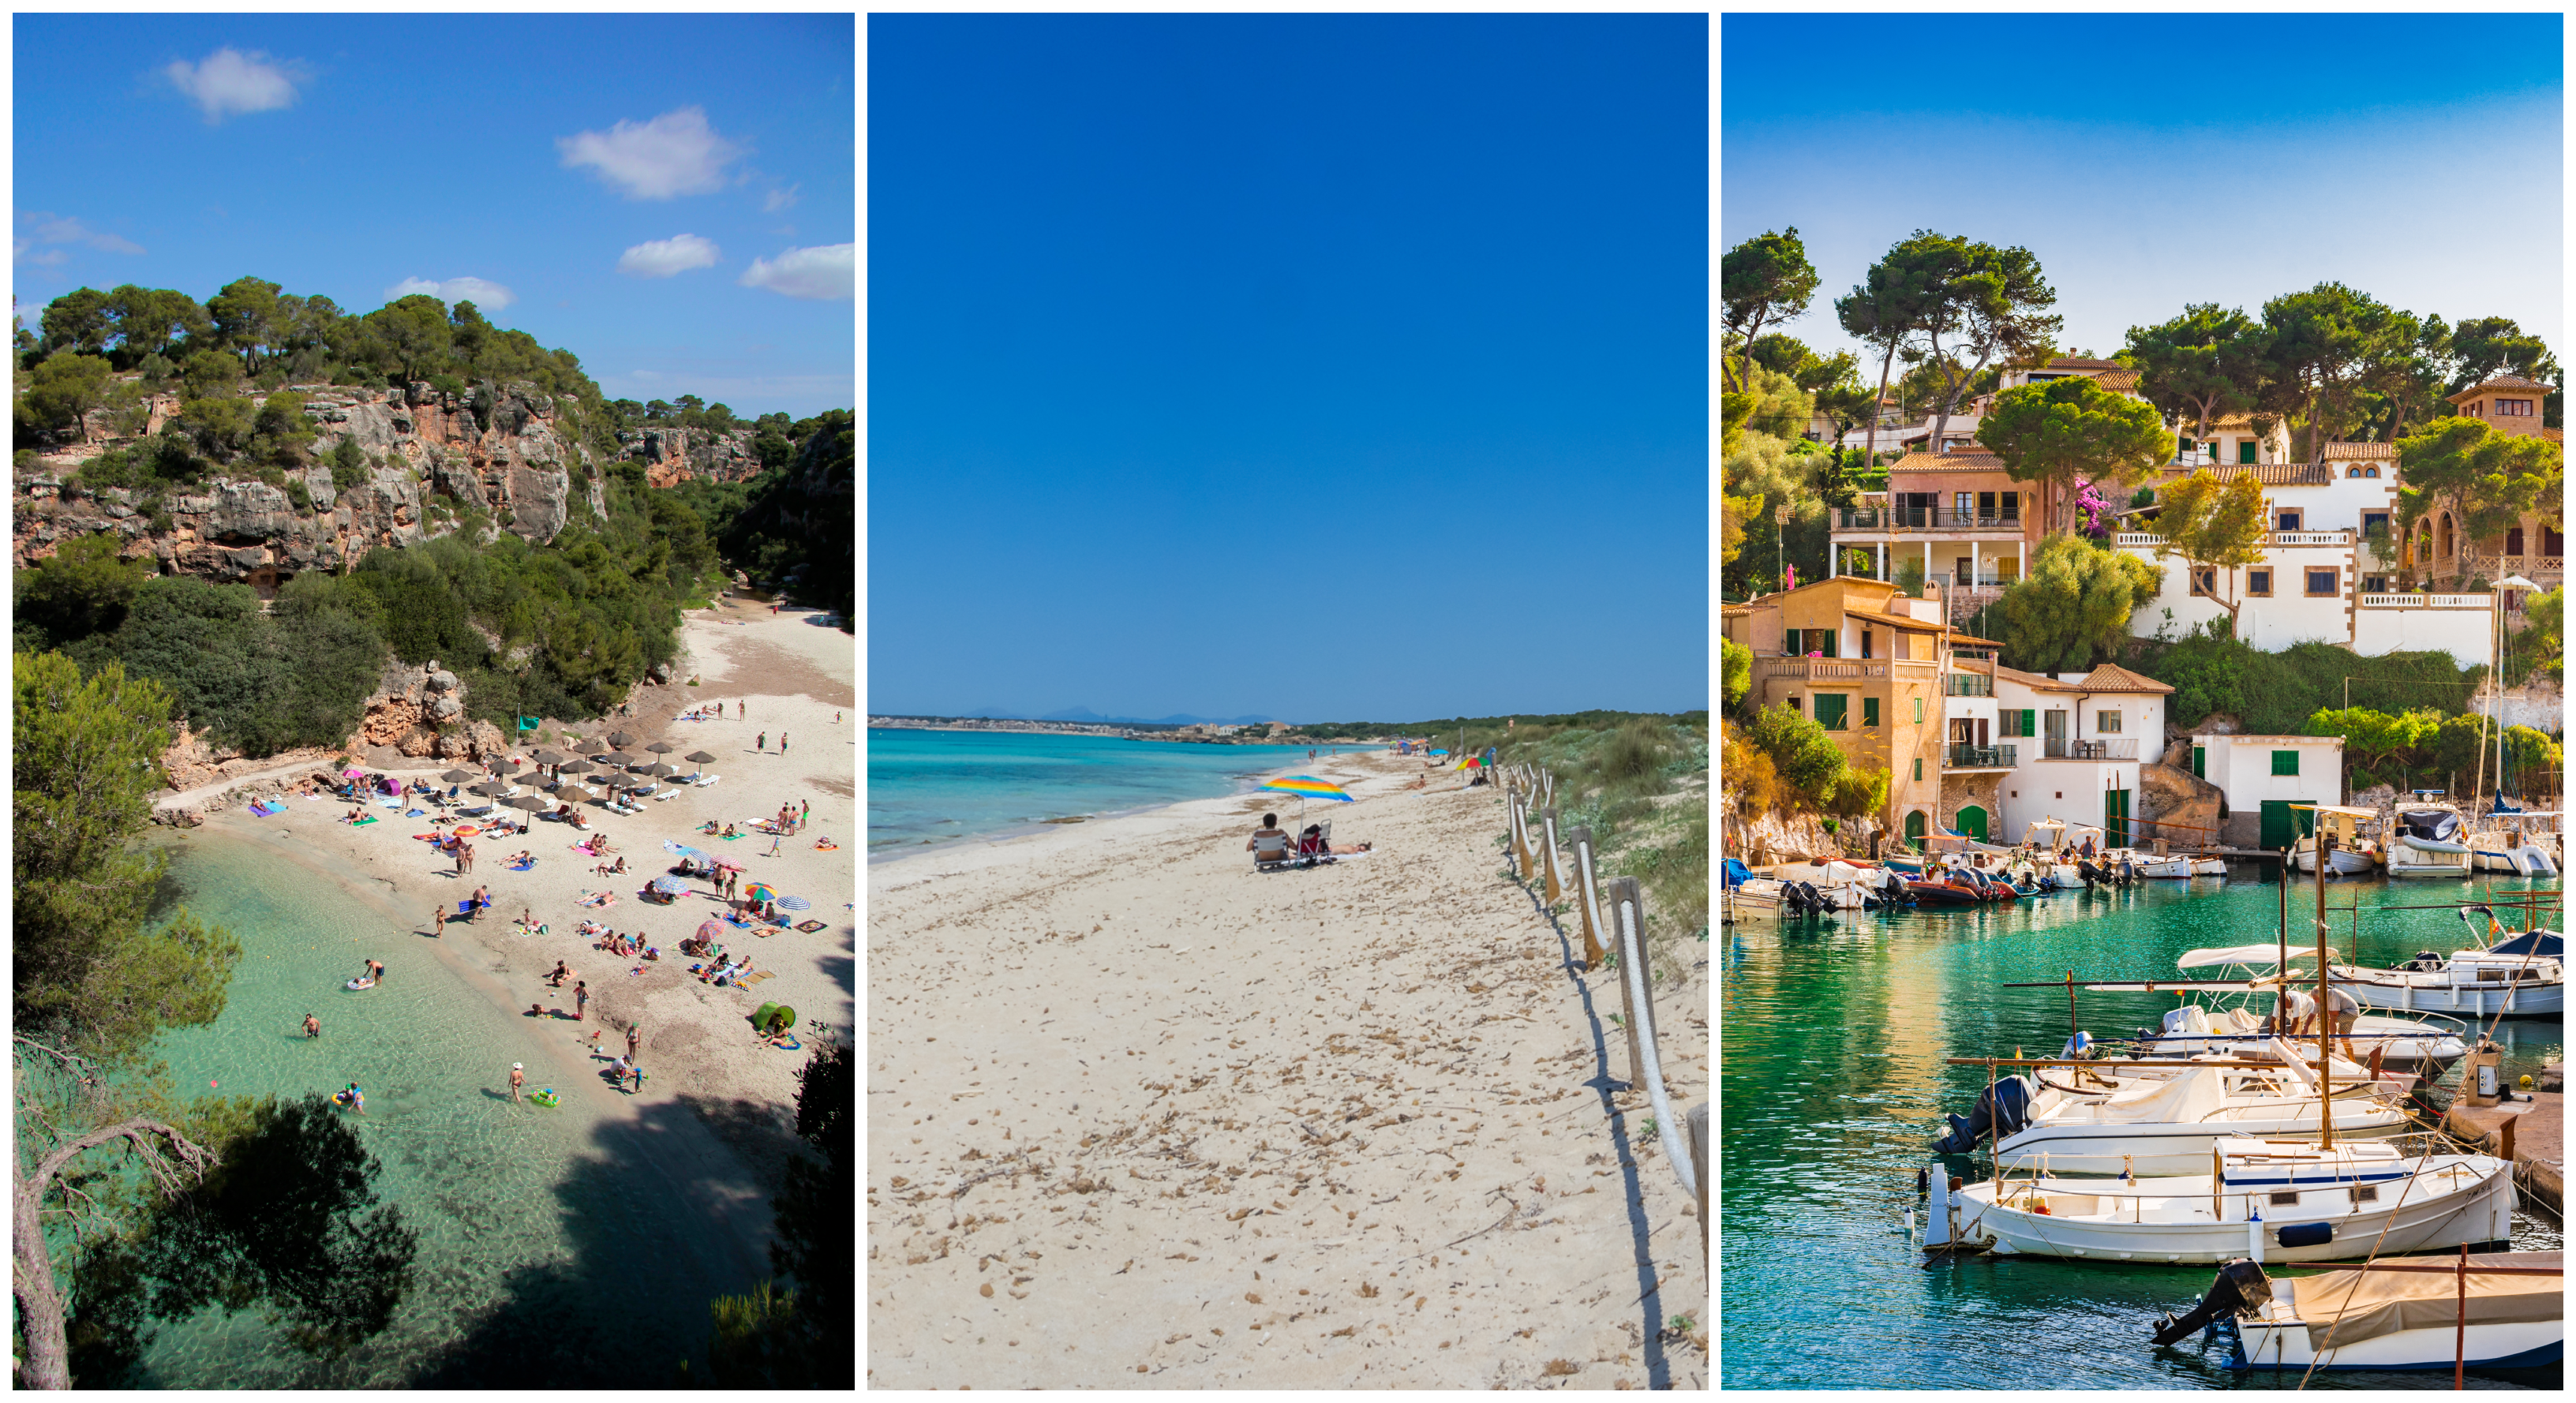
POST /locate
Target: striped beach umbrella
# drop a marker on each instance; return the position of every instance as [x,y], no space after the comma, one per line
[1307,787]
[761,891]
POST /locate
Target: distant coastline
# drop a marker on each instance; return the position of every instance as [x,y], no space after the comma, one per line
[1189,735]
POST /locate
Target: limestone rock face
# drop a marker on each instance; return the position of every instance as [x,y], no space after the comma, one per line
[419,710]
[2182,805]
[675,454]
[498,449]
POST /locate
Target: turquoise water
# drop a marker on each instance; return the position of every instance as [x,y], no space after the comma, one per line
[559,1246]
[1835,1087]
[934,786]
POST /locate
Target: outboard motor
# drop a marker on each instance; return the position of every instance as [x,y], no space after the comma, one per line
[2003,1108]
[2241,1289]
[2093,876]
[1815,899]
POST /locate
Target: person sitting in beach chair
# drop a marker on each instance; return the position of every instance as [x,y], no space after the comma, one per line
[1269,845]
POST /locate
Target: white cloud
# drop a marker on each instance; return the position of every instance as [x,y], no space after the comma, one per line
[817,273]
[676,153]
[662,258]
[779,199]
[486,296]
[45,228]
[230,82]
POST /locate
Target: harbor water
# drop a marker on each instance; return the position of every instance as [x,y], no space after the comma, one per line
[1836,1034]
[579,1243]
[930,787]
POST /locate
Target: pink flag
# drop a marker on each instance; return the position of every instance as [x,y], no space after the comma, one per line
[1793,578]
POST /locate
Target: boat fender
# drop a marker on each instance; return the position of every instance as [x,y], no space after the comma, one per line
[2253,1231]
[2306,1235]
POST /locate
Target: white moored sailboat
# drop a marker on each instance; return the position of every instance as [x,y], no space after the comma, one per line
[2273,1201]
[2483,1310]
[2093,1119]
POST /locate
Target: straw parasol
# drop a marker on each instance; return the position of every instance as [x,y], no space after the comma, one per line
[529,802]
[660,771]
[620,738]
[661,747]
[699,757]
[589,747]
[489,789]
[459,776]
[578,767]
[549,757]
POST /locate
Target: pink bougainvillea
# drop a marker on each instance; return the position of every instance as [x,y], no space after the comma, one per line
[2095,509]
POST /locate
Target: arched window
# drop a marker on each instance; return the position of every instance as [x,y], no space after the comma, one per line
[2446,533]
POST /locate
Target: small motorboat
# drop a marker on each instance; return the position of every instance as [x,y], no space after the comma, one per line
[2520,976]
[2484,1310]
[2506,844]
[2428,840]
[2417,1043]
[1942,894]
[2273,1201]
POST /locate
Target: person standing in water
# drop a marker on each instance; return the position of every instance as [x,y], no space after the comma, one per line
[312,1026]
[440,916]
[518,1078]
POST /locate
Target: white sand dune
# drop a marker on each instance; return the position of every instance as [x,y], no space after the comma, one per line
[1139,1116]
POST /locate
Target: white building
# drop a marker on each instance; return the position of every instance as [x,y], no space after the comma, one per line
[2260,777]
[2320,579]
[2077,742]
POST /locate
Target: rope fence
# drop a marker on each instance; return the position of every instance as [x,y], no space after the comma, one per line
[1612,915]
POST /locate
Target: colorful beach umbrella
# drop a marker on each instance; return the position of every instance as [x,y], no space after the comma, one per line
[352,772]
[710,929]
[761,891]
[1470,763]
[1309,787]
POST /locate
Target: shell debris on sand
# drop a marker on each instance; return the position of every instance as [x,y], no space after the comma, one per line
[1330,1124]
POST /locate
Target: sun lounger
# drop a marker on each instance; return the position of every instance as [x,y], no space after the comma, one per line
[477,811]
[664,795]
[708,781]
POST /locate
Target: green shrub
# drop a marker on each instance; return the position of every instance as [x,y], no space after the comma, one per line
[300,495]
[348,465]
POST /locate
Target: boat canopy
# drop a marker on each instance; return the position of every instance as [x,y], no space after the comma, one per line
[2347,1307]
[2347,812]
[2433,825]
[2530,942]
[2262,956]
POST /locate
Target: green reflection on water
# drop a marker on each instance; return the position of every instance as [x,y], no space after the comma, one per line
[1835,1084]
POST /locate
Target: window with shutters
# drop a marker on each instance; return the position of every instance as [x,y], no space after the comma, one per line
[2245,450]
[1869,711]
[2323,582]
[1833,711]
[1918,711]
[2258,582]
[2285,762]
[1918,769]
[2288,520]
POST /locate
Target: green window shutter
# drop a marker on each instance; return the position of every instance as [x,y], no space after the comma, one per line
[1918,769]
[1789,643]
[2285,762]
[1829,642]
[1869,711]
[1918,720]
[2029,718]
[1833,710]
[2245,450]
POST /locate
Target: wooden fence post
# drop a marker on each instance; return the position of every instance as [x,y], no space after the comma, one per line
[1588,896]
[1698,1120]
[1547,856]
[1628,903]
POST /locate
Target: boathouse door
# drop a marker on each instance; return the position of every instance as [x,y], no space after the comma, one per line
[1972,821]
[1914,829]
[2115,817]
[2282,825]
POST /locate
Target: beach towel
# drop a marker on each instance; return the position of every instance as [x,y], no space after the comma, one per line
[748,979]
[361,823]
[809,927]
[827,846]
[532,862]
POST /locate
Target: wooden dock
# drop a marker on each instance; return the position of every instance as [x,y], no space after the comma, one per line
[2535,1134]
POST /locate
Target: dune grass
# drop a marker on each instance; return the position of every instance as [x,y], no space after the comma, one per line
[1641,786]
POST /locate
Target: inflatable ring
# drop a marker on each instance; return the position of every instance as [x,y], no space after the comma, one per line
[546,1097]
[360,984]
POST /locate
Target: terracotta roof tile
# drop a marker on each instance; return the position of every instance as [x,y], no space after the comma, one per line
[2033,680]
[2338,452]
[2111,677]
[2080,363]
[2269,474]
[1969,457]
[2501,382]
[2122,379]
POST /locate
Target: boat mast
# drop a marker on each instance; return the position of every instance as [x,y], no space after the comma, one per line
[2325,1063]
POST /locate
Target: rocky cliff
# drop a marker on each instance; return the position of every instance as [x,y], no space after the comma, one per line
[672,455]
[496,449]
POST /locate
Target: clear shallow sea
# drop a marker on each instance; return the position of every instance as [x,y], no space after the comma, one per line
[1835,1084]
[928,787]
[557,1247]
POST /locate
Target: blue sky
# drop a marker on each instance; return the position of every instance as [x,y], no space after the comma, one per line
[360,157]
[2156,160]
[1323,367]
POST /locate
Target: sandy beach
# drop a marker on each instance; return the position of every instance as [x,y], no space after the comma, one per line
[697,1045]
[1142,1117]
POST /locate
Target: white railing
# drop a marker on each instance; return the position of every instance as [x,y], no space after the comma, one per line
[2428,601]
[2147,539]
[2309,538]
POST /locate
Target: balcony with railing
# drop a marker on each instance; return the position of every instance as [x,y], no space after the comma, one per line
[1978,757]
[2427,601]
[1825,669]
[1967,684]
[2149,540]
[1925,520]
[2059,748]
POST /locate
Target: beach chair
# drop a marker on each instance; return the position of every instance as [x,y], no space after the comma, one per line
[1271,851]
[662,795]
[710,779]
